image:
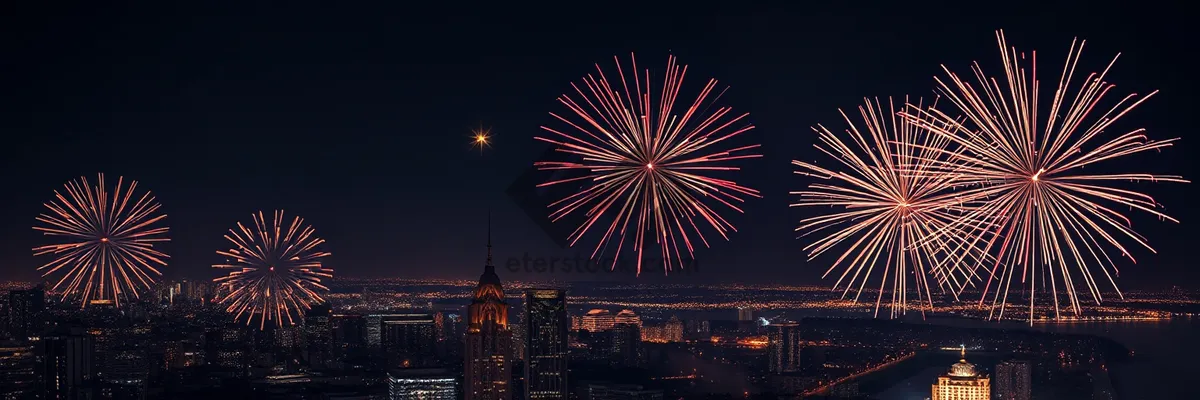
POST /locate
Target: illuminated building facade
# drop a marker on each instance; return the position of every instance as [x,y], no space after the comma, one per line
[598,321]
[545,330]
[18,377]
[784,347]
[745,314]
[963,382]
[1014,380]
[487,363]
[628,317]
[674,330]
[422,384]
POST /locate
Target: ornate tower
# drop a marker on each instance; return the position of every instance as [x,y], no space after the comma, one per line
[488,364]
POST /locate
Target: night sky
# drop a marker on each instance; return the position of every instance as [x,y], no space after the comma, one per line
[358,119]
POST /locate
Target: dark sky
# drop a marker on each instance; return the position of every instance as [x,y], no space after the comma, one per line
[358,118]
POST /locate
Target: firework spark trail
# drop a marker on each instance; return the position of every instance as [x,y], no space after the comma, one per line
[646,165]
[890,199]
[1051,219]
[106,249]
[276,270]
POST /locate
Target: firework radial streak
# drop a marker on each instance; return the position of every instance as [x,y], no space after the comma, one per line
[276,271]
[645,165]
[1052,220]
[106,248]
[886,202]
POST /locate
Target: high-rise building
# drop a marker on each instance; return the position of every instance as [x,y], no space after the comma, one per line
[25,308]
[745,314]
[422,384]
[784,347]
[409,340]
[546,325]
[1014,380]
[674,329]
[626,345]
[963,382]
[318,336]
[18,377]
[65,365]
[487,363]
[597,320]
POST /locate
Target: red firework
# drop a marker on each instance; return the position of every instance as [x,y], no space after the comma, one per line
[277,271]
[645,164]
[106,248]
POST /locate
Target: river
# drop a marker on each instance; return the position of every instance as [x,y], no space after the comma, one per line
[1164,355]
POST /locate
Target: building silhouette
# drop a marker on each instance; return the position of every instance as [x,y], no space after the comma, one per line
[25,309]
[962,382]
[1014,380]
[487,361]
[783,349]
[546,325]
[409,340]
[65,364]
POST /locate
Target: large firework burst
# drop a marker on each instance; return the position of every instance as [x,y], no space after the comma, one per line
[645,163]
[105,247]
[887,200]
[276,270]
[1052,220]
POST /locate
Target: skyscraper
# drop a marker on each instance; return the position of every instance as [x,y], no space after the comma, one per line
[745,314]
[1014,380]
[546,325]
[409,340]
[963,382]
[488,355]
[18,378]
[65,365]
[626,344]
[24,310]
[318,336]
[784,347]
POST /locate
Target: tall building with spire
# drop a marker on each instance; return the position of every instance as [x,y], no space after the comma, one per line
[487,365]
[963,382]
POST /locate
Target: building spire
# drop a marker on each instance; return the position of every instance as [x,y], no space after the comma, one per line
[962,352]
[489,235]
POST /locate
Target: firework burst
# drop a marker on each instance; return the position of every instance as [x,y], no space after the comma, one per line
[276,270]
[887,197]
[1052,221]
[105,248]
[645,164]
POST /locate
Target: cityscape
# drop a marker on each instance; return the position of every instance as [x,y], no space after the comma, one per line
[504,201]
[491,339]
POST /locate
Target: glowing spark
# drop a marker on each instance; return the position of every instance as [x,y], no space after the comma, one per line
[645,163]
[1051,228]
[106,250]
[272,295]
[888,197]
[481,138]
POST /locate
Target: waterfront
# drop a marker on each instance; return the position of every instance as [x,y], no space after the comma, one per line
[1163,352]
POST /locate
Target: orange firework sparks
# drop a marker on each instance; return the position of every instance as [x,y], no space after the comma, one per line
[1054,220]
[481,138]
[277,271]
[890,196]
[645,163]
[106,251]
